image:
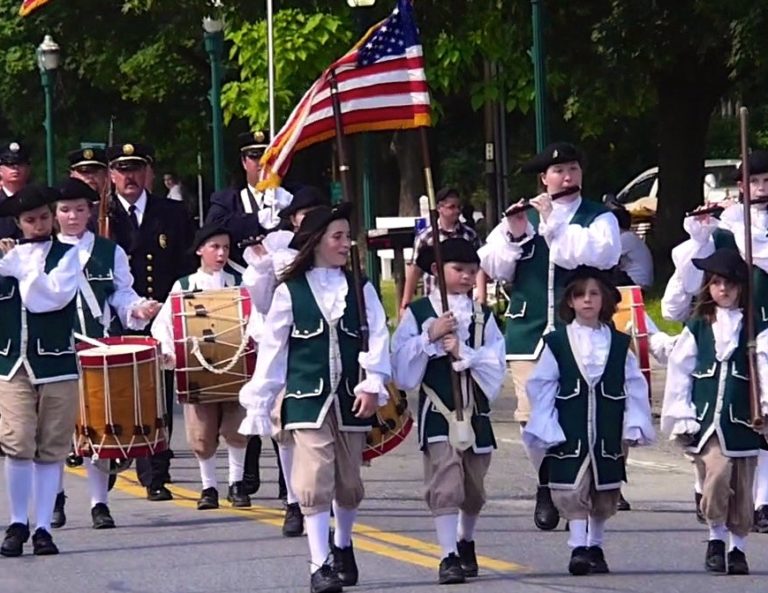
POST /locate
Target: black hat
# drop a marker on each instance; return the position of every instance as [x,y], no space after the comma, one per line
[446,192]
[206,232]
[317,219]
[554,154]
[76,189]
[587,272]
[28,198]
[452,250]
[129,154]
[253,143]
[307,196]
[14,153]
[758,163]
[87,156]
[724,262]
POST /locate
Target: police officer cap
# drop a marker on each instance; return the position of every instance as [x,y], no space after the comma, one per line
[758,163]
[452,250]
[28,198]
[724,262]
[76,189]
[554,154]
[307,196]
[206,232]
[589,272]
[253,143]
[318,219]
[87,156]
[14,153]
[129,154]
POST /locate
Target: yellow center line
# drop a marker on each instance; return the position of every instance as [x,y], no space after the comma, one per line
[384,543]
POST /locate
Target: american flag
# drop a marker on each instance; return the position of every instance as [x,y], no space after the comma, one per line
[382,86]
[28,6]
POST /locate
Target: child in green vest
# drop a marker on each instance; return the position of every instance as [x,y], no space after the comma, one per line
[38,365]
[707,408]
[428,345]
[588,400]
[310,347]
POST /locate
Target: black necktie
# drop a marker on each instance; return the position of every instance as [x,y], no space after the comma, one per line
[133,217]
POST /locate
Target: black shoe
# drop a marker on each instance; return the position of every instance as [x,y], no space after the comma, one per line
[293,523]
[580,561]
[101,517]
[623,505]
[73,460]
[344,565]
[715,559]
[699,514]
[209,499]
[42,543]
[237,496]
[16,536]
[251,483]
[761,519]
[467,557]
[159,494]
[59,518]
[545,515]
[325,580]
[597,563]
[737,562]
[451,572]
[252,475]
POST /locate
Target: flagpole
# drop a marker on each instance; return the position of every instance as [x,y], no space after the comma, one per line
[271,70]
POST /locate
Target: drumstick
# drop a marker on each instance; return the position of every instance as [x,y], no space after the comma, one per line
[88,340]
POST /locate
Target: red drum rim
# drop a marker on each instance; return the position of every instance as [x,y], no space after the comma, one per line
[99,360]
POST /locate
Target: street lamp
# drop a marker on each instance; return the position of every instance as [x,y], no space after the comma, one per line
[539,75]
[48,54]
[371,261]
[214,46]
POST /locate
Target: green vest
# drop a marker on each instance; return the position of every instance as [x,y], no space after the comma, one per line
[100,274]
[527,294]
[592,418]
[308,392]
[43,340]
[725,239]
[433,426]
[721,395]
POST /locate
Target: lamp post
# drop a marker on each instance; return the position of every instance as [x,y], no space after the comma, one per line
[214,46]
[48,54]
[539,75]
[369,222]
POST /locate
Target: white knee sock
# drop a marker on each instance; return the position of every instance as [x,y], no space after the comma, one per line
[467,524]
[98,481]
[761,480]
[45,485]
[446,527]
[61,479]
[595,531]
[18,483]
[535,456]
[718,532]
[738,542]
[208,472]
[286,460]
[318,527]
[345,521]
[236,457]
[577,533]
[696,482]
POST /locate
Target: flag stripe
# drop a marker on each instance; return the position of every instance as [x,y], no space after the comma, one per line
[418,121]
[361,116]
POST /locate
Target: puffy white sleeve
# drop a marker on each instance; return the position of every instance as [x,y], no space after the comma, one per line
[487,363]
[685,282]
[411,351]
[376,361]
[499,255]
[572,245]
[759,244]
[638,422]
[543,429]
[162,326]
[660,343]
[259,279]
[259,394]
[678,414]
[762,369]
[125,300]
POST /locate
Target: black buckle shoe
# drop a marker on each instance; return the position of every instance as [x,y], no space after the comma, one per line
[451,572]
[715,559]
[325,580]
[467,557]
[344,564]
[42,543]
[699,514]
[761,519]
[293,523]
[579,564]
[237,495]
[73,460]
[209,499]
[737,562]
[59,518]
[159,494]
[545,515]
[101,517]
[623,505]
[16,536]
[597,563]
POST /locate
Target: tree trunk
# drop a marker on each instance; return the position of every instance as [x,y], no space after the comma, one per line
[407,148]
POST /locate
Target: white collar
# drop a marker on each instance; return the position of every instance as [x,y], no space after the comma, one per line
[141,203]
[86,239]
[569,207]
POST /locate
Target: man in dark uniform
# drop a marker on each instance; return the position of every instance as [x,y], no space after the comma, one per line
[14,174]
[156,234]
